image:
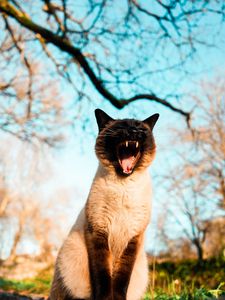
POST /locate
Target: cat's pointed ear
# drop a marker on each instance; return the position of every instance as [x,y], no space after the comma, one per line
[150,121]
[102,118]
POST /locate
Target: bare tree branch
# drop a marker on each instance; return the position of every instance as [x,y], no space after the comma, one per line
[65,45]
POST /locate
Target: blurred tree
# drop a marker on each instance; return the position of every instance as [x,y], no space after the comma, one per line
[196,184]
[208,139]
[21,211]
[215,242]
[123,48]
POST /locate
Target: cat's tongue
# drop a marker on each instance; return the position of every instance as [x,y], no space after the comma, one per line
[127,164]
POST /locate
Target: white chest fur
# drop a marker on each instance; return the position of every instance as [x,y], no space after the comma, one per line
[120,206]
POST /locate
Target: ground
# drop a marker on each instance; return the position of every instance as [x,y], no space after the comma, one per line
[13,296]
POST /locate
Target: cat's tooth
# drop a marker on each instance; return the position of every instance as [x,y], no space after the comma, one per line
[136,144]
[126,143]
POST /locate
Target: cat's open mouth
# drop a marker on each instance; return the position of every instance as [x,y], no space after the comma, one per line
[128,153]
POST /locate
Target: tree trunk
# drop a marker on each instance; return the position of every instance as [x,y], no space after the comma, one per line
[17,238]
[199,249]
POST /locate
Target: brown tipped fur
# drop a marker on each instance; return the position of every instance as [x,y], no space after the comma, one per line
[124,267]
[103,257]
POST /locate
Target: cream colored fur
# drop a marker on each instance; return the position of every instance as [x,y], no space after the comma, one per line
[120,206]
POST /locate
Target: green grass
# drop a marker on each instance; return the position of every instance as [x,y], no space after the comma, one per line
[27,286]
[197,294]
[38,285]
[187,280]
[189,275]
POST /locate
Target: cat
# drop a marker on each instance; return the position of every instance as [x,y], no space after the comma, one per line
[103,257]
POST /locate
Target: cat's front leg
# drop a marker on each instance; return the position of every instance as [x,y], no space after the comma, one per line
[124,267]
[99,264]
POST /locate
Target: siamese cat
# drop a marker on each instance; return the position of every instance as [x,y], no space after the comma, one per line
[103,257]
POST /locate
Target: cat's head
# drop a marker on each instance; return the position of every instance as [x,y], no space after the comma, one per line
[125,145]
